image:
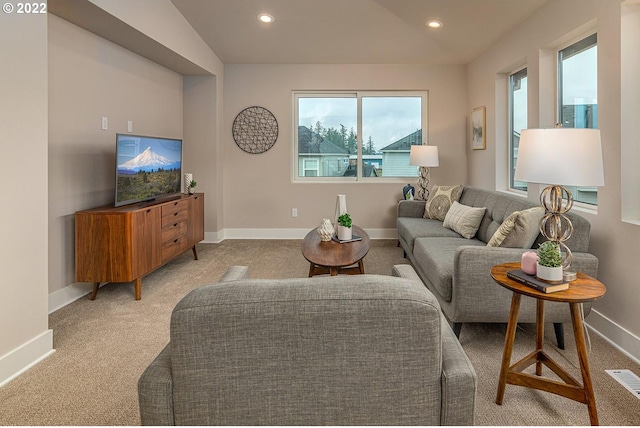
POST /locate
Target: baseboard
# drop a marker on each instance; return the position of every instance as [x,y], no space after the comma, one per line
[619,337]
[293,233]
[25,356]
[71,293]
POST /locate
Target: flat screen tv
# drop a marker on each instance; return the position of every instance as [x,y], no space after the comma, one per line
[147,168]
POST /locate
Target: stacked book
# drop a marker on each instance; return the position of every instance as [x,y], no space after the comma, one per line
[533,281]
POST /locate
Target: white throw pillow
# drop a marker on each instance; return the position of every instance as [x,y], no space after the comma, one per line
[464,219]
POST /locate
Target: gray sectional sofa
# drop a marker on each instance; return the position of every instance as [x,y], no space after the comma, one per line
[457,270]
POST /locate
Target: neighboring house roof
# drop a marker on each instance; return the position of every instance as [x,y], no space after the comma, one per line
[369,171]
[310,142]
[404,144]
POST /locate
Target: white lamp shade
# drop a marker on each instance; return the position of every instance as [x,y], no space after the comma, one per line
[560,156]
[424,156]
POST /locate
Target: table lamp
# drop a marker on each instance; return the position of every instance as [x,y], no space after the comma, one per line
[424,157]
[559,157]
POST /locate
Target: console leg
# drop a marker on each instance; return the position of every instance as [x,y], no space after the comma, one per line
[94,293]
[195,253]
[138,287]
[557,327]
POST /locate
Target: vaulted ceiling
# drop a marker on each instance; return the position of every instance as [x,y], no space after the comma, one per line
[353,31]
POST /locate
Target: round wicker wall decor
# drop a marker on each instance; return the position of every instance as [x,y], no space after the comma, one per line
[255,129]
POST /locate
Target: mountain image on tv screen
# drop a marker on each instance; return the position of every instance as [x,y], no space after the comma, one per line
[147,168]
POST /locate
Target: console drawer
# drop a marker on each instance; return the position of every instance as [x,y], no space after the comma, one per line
[174,213]
[173,248]
[174,230]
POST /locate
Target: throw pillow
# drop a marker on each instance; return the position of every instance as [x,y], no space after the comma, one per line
[463,219]
[440,201]
[519,230]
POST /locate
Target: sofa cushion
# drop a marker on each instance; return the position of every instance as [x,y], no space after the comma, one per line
[410,228]
[464,219]
[519,230]
[499,206]
[435,257]
[440,201]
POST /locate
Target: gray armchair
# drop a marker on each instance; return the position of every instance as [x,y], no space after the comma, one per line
[345,350]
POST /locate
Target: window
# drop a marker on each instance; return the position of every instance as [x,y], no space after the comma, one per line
[327,127]
[517,122]
[578,96]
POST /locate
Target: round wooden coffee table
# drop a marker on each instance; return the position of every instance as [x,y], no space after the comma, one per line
[333,257]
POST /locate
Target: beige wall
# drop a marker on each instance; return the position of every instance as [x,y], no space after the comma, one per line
[203,156]
[258,192]
[24,334]
[613,241]
[90,78]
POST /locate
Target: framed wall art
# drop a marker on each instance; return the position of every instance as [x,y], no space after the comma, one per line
[255,130]
[477,129]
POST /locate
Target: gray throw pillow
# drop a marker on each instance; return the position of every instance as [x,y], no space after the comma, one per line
[519,230]
[464,219]
[440,201]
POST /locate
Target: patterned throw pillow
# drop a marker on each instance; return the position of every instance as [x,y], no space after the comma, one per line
[440,201]
[519,230]
[463,219]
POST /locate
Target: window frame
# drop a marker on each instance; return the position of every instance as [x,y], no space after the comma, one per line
[580,44]
[511,160]
[358,94]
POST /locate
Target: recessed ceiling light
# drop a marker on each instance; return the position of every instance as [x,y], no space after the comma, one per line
[266,18]
[434,23]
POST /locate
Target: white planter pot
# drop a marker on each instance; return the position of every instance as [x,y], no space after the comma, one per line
[551,274]
[344,233]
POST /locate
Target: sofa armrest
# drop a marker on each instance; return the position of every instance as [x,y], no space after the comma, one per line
[459,381]
[411,208]
[405,271]
[155,391]
[458,378]
[472,272]
[235,273]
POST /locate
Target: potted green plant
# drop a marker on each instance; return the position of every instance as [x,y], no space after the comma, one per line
[344,227]
[549,267]
[192,187]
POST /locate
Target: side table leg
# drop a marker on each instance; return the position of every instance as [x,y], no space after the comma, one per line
[581,347]
[508,345]
[539,332]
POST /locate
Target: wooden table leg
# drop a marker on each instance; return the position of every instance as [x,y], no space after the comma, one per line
[539,332]
[581,347]
[508,346]
[195,253]
[311,269]
[333,271]
[361,267]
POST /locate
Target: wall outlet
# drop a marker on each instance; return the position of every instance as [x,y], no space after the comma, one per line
[105,122]
[294,212]
[130,126]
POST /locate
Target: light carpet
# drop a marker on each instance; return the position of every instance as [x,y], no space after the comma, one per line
[103,346]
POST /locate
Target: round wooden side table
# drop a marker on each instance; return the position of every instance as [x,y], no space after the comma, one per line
[583,289]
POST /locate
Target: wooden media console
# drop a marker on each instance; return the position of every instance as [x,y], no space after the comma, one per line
[122,244]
